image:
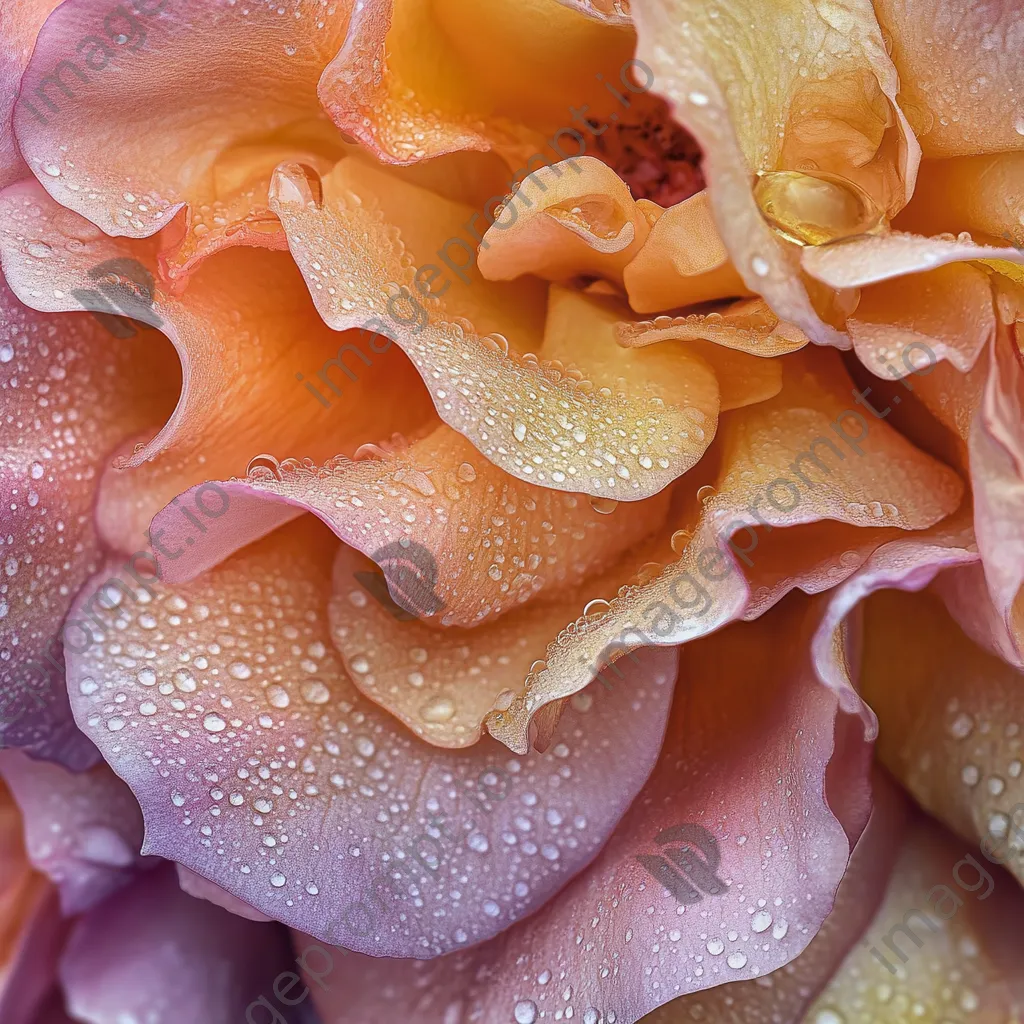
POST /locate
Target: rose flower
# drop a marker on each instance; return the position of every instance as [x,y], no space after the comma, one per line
[512,512]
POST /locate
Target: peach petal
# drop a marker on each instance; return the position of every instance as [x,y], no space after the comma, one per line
[129,167]
[936,945]
[949,310]
[769,113]
[560,225]
[413,82]
[70,393]
[746,326]
[976,194]
[891,484]
[496,542]
[729,766]
[240,726]
[950,728]
[18,30]
[238,399]
[872,258]
[682,262]
[958,64]
[83,830]
[530,418]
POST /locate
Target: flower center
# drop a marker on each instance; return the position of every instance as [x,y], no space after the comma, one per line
[656,157]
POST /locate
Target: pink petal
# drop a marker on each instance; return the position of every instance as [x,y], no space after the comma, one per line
[82,830]
[154,954]
[746,758]
[263,748]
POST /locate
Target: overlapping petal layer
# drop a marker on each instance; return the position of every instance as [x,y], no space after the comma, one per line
[69,393]
[605,435]
[102,124]
[775,465]
[414,81]
[154,953]
[942,946]
[618,942]
[816,95]
[82,830]
[227,711]
[242,329]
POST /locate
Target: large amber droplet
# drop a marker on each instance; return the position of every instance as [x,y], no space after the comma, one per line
[812,209]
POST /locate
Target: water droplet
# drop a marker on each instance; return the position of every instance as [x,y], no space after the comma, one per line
[814,209]
[761,921]
[440,709]
[39,249]
[278,696]
[239,670]
[214,723]
[525,1011]
[715,946]
[519,430]
[736,960]
[466,473]
[603,506]
[315,692]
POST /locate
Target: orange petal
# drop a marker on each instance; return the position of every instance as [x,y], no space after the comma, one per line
[765,458]
[683,261]
[977,194]
[414,82]
[959,71]
[440,683]
[129,166]
[872,258]
[940,947]
[560,225]
[949,310]
[242,328]
[949,720]
[496,542]
[608,435]
[817,94]
[746,326]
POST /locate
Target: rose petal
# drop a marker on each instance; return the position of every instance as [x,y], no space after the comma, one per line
[948,310]
[683,261]
[949,716]
[18,31]
[616,941]
[786,994]
[82,830]
[154,953]
[414,82]
[761,451]
[203,889]
[239,398]
[818,87]
[30,963]
[938,945]
[526,417]
[957,63]
[129,166]
[495,542]
[71,392]
[252,744]
[745,326]
[872,258]
[560,225]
